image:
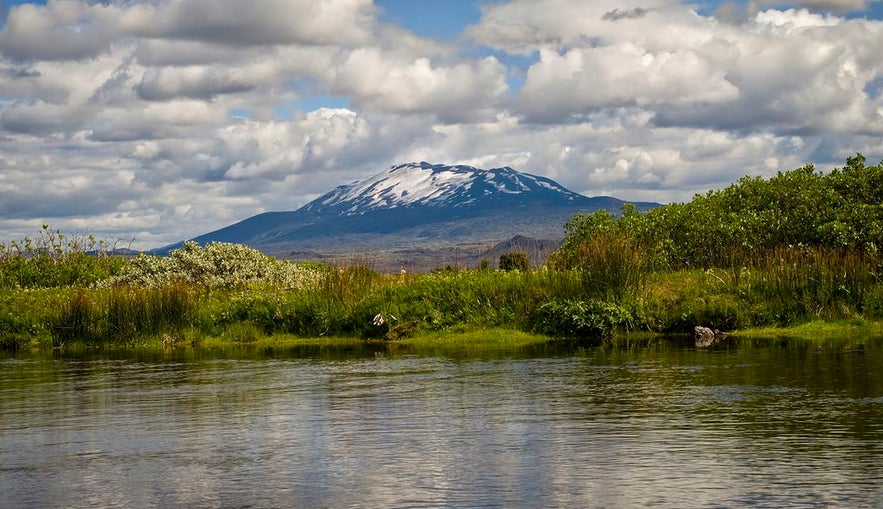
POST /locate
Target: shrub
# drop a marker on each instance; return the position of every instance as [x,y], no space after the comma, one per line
[514,260]
[582,318]
[216,265]
[729,227]
[243,332]
[873,303]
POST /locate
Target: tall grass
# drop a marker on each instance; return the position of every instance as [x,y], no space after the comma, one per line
[360,303]
[611,289]
[611,264]
[781,286]
[121,315]
[53,259]
[803,283]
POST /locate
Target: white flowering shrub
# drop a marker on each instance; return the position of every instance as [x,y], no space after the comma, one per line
[216,265]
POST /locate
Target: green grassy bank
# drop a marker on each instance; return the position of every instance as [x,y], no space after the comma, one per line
[456,306]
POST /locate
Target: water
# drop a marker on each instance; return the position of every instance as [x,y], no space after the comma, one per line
[666,425]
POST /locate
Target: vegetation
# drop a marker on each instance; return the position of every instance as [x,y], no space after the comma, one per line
[217,265]
[514,260]
[740,225]
[800,248]
[52,259]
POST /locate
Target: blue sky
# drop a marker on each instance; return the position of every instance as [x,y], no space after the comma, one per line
[160,120]
[438,19]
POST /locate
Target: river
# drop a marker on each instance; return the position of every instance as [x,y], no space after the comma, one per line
[758,423]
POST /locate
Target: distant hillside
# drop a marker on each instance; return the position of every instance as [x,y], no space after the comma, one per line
[538,250]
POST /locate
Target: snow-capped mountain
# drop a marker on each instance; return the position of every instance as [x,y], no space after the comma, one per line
[419,204]
[438,185]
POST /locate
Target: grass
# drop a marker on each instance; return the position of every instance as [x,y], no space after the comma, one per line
[813,292]
[817,330]
[493,337]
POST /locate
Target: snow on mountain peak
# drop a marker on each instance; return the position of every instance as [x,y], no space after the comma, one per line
[428,184]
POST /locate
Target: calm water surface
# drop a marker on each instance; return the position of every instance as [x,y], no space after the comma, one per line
[756,424]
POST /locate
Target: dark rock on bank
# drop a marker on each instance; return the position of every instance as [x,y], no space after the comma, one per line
[707,337]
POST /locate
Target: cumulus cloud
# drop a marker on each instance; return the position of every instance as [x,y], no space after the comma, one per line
[250,22]
[77,29]
[739,12]
[787,71]
[165,119]
[559,86]
[461,91]
[58,30]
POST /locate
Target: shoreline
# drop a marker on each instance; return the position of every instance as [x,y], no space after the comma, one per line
[465,339]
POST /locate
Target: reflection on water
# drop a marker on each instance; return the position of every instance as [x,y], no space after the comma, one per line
[666,425]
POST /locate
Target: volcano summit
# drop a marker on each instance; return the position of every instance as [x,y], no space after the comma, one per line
[419,205]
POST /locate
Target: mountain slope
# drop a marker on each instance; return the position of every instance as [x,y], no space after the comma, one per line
[419,203]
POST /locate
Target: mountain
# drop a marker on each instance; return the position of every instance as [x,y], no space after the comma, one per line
[537,250]
[417,206]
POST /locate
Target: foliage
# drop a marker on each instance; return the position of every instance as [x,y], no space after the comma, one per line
[347,303]
[610,262]
[514,260]
[53,259]
[799,247]
[731,227]
[216,265]
[121,315]
[582,318]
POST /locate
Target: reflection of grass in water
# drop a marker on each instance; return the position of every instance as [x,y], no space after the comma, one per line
[460,337]
[279,341]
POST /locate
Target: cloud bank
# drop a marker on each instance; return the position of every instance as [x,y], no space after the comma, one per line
[161,120]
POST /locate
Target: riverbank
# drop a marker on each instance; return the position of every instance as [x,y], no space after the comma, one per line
[801,294]
[856,328]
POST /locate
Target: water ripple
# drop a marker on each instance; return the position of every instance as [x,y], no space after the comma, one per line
[667,427]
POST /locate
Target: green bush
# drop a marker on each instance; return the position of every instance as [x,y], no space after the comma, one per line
[582,318]
[242,332]
[514,260]
[872,306]
[734,226]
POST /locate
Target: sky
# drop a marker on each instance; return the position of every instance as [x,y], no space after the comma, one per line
[158,120]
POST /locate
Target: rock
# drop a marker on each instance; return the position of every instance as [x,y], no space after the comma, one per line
[703,335]
[707,337]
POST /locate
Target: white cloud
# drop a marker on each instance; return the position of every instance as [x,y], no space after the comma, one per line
[382,82]
[586,79]
[256,22]
[169,118]
[77,29]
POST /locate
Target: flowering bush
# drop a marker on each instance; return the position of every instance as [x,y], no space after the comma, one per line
[216,265]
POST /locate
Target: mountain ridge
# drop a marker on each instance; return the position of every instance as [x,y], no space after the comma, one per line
[417,204]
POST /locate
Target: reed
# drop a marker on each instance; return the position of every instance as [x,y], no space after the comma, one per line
[613,291]
[121,314]
[795,283]
[76,320]
[610,263]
